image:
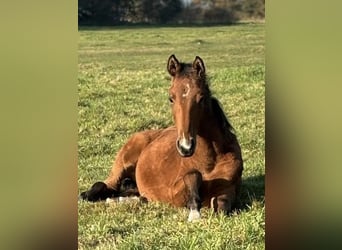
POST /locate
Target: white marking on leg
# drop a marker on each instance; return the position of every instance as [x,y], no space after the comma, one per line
[128,199]
[122,199]
[212,200]
[110,200]
[194,215]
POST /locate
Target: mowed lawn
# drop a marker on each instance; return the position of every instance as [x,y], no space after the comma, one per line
[122,86]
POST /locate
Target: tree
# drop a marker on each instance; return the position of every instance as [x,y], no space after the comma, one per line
[109,12]
[155,11]
[113,12]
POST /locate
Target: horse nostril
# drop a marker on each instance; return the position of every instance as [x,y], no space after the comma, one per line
[192,141]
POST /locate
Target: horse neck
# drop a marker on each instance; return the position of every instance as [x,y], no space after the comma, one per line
[212,131]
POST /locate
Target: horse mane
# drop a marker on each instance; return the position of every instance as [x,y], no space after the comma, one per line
[226,127]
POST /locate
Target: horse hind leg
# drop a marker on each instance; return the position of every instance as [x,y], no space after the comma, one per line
[128,192]
[123,168]
[98,191]
[193,181]
[121,182]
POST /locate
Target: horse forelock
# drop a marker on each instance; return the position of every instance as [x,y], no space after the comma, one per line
[187,71]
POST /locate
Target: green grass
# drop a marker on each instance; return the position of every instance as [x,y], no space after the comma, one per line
[123,85]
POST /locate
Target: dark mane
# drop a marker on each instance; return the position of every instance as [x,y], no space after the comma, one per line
[186,70]
[226,127]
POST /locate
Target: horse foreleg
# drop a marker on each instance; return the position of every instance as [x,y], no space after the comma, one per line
[193,181]
[225,201]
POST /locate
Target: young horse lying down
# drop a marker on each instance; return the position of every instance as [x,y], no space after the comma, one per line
[197,162]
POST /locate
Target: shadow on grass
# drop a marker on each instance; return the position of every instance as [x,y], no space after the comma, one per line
[252,189]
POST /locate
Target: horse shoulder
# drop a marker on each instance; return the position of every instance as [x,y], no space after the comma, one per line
[160,152]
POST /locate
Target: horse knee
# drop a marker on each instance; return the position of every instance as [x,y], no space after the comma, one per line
[128,188]
[193,180]
[222,203]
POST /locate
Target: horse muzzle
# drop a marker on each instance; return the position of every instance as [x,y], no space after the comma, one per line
[186,147]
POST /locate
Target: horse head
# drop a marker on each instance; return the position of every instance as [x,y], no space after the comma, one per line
[187,95]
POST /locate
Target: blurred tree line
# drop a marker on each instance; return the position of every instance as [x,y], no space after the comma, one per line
[115,12]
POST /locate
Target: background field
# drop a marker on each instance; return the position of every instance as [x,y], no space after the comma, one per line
[122,85]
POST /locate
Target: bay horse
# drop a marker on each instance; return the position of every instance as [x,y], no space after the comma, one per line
[195,163]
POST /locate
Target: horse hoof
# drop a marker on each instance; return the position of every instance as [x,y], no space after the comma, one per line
[194,215]
[82,196]
[99,191]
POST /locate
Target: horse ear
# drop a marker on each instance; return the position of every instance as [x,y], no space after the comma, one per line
[198,65]
[172,65]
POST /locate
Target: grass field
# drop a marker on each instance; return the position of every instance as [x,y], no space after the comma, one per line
[123,85]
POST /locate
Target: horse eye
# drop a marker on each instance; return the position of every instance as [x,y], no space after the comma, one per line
[170,99]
